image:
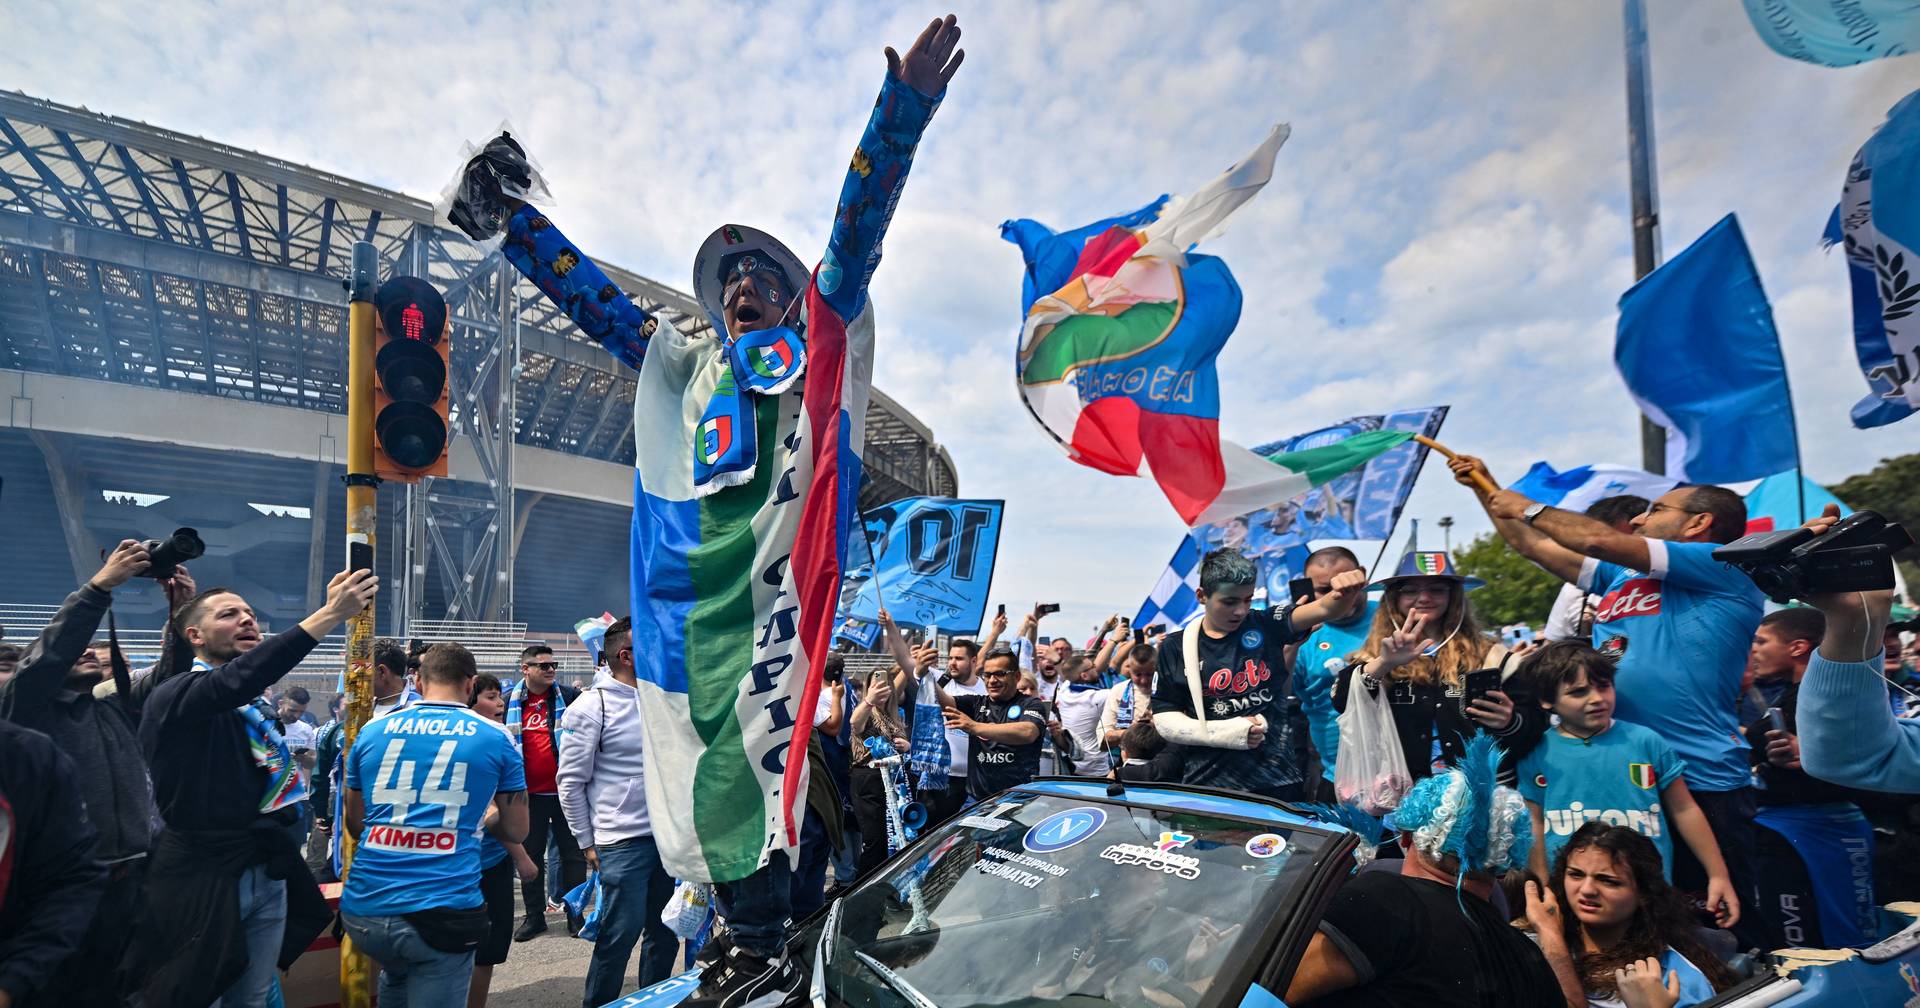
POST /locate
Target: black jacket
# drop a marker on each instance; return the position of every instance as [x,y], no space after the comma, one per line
[50,880]
[98,734]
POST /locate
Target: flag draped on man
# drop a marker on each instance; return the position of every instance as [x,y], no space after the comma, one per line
[735,581]
[1699,353]
[1116,357]
[1878,220]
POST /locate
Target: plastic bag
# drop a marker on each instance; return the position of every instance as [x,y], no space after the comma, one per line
[688,909]
[493,178]
[1371,773]
[584,902]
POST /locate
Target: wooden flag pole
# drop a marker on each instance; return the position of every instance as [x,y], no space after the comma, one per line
[1480,479]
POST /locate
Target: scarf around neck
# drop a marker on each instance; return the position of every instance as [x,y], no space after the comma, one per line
[516,698]
[726,444]
[268,747]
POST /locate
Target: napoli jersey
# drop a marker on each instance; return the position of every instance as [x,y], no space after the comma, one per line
[1322,654]
[427,773]
[1679,634]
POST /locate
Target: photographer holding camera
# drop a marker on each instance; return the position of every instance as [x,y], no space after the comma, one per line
[52,693]
[1848,734]
[228,896]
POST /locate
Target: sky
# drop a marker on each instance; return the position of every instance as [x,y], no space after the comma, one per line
[1448,224]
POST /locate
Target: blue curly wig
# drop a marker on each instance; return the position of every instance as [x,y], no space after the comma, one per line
[1463,812]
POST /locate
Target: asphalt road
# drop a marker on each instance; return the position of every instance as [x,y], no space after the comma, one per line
[550,971]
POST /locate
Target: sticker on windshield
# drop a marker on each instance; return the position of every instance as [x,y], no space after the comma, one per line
[1172,839]
[1062,830]
[1014,867]
[985,822]
[1266,845]
[1172,864]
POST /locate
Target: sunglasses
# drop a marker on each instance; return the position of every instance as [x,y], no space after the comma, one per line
[547,665]
[771,284]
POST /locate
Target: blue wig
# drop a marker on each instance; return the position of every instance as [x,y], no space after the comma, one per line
[1463,812]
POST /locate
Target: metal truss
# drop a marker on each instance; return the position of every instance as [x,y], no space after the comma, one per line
[138,255]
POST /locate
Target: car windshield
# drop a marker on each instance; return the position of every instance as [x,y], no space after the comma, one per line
[1047,899]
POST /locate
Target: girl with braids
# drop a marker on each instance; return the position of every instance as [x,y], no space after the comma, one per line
[1423,643]
[1628,933]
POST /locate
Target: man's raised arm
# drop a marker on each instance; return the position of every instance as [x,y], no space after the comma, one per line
[914,86]
[1558,542]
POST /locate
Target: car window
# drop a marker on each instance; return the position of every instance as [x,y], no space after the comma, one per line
[1048,899]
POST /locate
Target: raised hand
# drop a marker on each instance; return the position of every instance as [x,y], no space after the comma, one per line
[1464,467]
[350,593]
[1406,643]
[931,60]
[128,560]
[1543,911]
[1345,585]
[179,587]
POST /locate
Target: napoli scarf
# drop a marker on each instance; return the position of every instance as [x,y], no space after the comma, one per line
[759,364]
[928,756]
[268,746]
[518,695]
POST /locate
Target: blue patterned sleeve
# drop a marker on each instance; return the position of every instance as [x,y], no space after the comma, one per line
[570,280]
[868,196]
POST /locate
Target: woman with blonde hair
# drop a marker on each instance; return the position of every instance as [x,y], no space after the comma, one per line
[1422,648]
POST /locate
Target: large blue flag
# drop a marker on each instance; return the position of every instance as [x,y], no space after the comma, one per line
[1698,350]
[933,562]
[1787,499]
[1878,220]
[1837,33]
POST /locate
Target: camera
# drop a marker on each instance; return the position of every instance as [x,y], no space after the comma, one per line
[1856,554]
[164,554]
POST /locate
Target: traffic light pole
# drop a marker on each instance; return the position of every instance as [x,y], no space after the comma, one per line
[357,972]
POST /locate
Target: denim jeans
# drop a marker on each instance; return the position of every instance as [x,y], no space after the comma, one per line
[263,913]
[634,888]
[759,906]
[413,974]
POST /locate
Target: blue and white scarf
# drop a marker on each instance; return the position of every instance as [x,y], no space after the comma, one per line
[268,745]
[726,445]
[515,717]
[928,756]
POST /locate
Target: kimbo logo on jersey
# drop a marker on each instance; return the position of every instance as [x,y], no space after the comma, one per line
[412,840]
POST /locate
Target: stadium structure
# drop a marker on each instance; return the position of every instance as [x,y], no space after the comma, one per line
[173,346]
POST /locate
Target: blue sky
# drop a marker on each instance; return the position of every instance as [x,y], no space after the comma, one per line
[1448,223]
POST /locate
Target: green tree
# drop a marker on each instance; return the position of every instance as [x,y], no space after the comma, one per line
[1893,489]
[1516,590]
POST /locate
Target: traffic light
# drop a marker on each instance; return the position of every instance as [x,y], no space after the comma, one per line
[411,338]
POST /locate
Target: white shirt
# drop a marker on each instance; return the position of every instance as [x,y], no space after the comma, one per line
[1079,713]
[957,740]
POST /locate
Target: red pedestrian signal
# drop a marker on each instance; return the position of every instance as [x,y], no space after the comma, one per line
[410,357]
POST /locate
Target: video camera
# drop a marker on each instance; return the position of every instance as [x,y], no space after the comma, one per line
[164,554]
[1856,554]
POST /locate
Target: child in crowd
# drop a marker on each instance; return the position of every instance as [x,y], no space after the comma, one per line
[1145,756]
[1590,767]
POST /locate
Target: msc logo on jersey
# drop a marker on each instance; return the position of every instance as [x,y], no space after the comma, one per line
[1064,829]
[1638,597]
[1642,776]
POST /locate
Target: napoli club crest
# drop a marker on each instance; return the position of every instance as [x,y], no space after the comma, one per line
[1251,640]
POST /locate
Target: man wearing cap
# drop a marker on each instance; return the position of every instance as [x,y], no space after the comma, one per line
[736,557]
[1676,621]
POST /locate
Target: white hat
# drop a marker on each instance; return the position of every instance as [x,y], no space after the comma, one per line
[718,254]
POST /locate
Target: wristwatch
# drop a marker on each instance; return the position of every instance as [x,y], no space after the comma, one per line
[1532,512]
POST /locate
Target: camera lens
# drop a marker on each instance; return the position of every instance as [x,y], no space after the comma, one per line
[164,554]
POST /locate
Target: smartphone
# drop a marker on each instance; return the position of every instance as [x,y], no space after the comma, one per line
[1140,635]
[1046,609]
[1301,589]
[1777,720]
[1002,611]
[1479,684]
[1519,635]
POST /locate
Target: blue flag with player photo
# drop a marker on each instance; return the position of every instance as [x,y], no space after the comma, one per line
[933,563]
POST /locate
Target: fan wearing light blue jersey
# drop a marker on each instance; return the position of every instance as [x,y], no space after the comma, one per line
[416,789]
[1678,625]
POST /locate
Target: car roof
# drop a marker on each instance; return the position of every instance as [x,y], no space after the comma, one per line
[1181,798]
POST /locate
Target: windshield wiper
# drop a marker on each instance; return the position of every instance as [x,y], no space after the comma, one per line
[896,981]
[823,954]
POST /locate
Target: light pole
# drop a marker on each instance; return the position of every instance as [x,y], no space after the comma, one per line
[1446,533]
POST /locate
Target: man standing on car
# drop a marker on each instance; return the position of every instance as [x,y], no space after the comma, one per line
[415,791]
[1002,727]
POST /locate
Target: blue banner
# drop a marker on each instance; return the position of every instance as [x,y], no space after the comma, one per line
[1878,223]
[1698,351]
[1837,33]
[933,560]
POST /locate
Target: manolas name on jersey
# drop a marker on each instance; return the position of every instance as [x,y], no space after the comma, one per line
[426,773]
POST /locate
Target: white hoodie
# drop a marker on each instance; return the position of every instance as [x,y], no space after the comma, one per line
[602,778]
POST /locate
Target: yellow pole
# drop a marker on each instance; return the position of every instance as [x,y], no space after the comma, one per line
[357,972]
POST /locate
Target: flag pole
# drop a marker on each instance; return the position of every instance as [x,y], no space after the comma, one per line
[1645,198]
[1480,480]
